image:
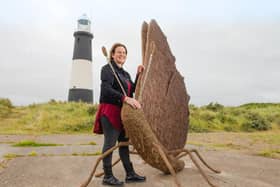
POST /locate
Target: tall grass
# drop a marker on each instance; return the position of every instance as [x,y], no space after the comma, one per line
[46,118]
[72,117]
[249,117]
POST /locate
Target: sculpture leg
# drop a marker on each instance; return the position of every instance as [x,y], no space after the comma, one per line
[184,152]
[199,168]
[203,161]
[169,166]
[85,184]
[187,152]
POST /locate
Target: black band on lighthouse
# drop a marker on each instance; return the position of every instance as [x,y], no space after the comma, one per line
[78,94]
[82,46]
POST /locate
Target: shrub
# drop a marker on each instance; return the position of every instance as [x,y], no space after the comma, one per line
[237,111]
[255,122]
[52,101]
[5,107]
[197,125]
[273,118]
[208,116]
[91,110]
[33,105]
[231,128]
[277,121]
[214,106]
[6,103]
[198,128]
[226,119]
[192,107]
[79,127]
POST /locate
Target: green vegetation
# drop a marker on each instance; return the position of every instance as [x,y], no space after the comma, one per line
[270,153]
[87,154]
[54,117]
[5,107]
[270,137]
[89,143]
[218,146]
[32,153]
[12,155]
[30,143]
[247,118]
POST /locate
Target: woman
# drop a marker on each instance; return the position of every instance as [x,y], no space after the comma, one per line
[108,117]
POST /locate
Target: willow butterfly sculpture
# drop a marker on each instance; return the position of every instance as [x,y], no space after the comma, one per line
[158,131]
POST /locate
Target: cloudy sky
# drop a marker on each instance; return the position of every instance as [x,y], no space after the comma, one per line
[227,50]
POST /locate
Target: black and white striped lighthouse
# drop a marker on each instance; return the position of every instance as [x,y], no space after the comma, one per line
[81,74]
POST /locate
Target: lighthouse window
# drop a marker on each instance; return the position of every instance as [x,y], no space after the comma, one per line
[83,22]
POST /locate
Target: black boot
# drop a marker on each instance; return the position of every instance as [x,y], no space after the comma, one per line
[109,178]
[131,176]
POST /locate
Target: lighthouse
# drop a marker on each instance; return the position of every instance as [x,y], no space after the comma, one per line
[81,88]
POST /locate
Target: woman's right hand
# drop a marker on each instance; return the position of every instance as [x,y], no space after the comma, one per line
[140,69]
[132,102]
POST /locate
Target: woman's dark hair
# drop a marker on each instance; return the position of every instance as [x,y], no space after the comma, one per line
[112,51]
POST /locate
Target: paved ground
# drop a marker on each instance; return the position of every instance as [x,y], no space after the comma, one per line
[57,166]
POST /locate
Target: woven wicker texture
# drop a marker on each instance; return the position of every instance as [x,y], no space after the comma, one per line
[164,96]
[163,119]
[143,138]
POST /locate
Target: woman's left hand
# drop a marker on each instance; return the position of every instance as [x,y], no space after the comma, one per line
[140,69]
[132,102]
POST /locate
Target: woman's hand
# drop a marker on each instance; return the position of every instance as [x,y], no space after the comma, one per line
[132,102]
[140,69]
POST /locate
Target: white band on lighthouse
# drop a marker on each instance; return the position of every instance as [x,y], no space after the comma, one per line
[81,75]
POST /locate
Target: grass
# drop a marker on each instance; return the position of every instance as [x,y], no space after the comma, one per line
[196,143]
[252,117]
[219,146]
[30,143]
[87,154]
[32,153]
[270,153]
[264,143]
[47,118]
[90,143]
[12,155]
[56,117]
[270,137]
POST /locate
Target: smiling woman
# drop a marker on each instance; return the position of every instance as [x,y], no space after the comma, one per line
[116,88]
[118,54]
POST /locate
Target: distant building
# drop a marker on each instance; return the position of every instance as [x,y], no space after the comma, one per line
[81,87]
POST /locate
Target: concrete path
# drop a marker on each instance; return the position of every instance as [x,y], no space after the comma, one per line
[58,166]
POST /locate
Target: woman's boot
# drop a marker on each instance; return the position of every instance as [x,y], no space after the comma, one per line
[131,176]
[109,178]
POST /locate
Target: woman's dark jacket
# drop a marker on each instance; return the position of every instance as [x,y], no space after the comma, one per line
[111,92]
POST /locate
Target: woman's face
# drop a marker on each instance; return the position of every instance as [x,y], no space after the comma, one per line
[120,55]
